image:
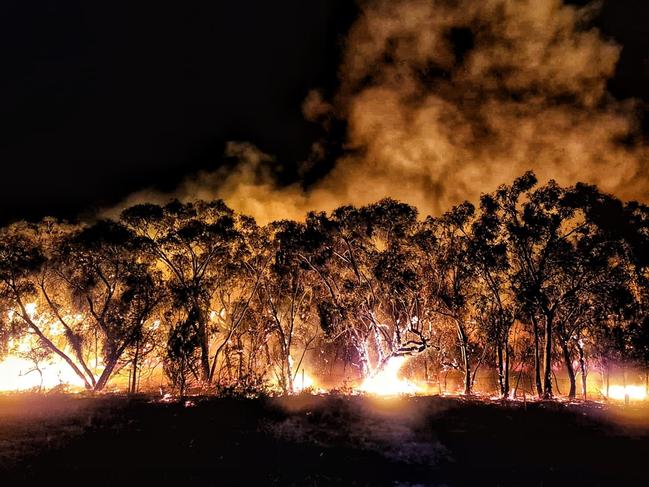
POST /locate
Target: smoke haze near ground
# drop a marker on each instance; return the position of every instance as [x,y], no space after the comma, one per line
[444,100]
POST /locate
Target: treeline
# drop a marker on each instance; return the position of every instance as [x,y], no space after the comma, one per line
[535,276]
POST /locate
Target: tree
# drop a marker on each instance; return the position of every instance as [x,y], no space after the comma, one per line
[495,307]
[198,245]
[451,272]
[364,271]
[285,298]
[86,285]
[540,223]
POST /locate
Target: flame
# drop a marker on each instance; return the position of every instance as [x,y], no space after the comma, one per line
[635,393]
[30,308]
[386,381]
[303,381]
[19,374]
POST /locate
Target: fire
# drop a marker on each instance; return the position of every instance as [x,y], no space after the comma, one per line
[19,374]
[303,381]
[635,393]
[386,382]
[25,368]
[30,308]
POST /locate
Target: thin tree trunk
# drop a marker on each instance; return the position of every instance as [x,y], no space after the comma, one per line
[582,366]
[135,364]
[205,349]
[501,372]
[518,379]
[556,382]
[570,369]
[547,359]
[288,374]
[464,348]
[506,367]
[537,359]
[363,359]
[240,355]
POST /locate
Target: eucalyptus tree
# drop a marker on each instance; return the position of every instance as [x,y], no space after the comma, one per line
[541,227]
[368,287]
[25,252]
[234,299]
[285,299]
[636,237]
[78,291]
[102,270]
[449,268]
[199,247]
[495,305]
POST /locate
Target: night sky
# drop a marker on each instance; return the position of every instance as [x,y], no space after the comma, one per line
[100,99]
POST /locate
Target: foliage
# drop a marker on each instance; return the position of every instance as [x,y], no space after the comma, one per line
[534,277]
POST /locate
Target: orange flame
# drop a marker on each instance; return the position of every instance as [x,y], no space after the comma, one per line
[635,393]
[386,382]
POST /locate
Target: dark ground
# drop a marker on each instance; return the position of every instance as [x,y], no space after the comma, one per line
[310,440]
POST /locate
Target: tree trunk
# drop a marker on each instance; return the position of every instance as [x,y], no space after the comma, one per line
[288,379]
[569,368]
[547,359]
[502,357]
[506,367]
[135,359]
[363,359]
[464,348]
[240,352]
[537,359]
[582,367]
[501,371]
[205,350]
[105,375]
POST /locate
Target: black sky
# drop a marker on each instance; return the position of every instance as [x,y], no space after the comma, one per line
[100,99]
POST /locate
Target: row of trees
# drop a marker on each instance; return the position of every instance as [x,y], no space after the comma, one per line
[536,277]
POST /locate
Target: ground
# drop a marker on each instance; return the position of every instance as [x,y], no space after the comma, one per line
[318,440]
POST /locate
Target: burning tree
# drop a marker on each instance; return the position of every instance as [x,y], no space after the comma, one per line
[536,277]
[197,245]
[80,291]
[368,289]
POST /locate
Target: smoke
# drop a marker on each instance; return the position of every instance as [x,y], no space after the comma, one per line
[444,100]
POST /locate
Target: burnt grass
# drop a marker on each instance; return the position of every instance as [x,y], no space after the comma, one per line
[318,440]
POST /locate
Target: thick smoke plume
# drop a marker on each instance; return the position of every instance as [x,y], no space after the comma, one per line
[447,99]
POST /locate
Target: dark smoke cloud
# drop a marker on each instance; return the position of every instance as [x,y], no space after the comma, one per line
[447,99]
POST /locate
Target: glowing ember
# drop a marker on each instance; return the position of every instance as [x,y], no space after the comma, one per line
[386,382]
[635,393]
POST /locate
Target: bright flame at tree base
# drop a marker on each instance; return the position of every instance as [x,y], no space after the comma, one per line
[635,393]
[303,381]
[386,382]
